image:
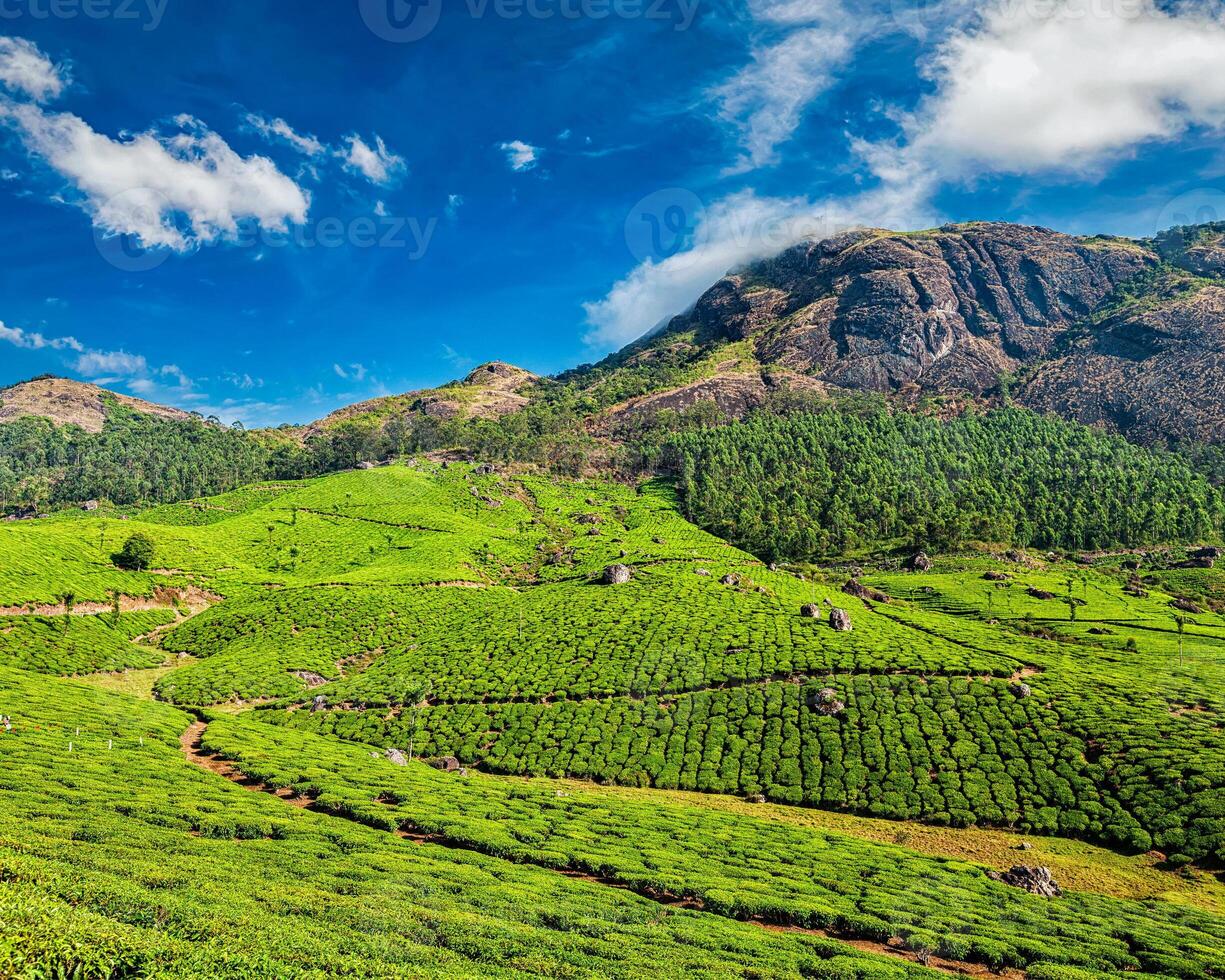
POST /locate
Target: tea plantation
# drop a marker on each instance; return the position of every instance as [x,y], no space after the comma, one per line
[325,630]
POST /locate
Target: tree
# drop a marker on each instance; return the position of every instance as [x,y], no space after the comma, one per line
[418,695]
[68,600]
[136,554]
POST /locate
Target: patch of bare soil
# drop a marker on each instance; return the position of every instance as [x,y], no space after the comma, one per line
[196,600]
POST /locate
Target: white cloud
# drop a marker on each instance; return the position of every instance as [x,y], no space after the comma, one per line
[1030,88]
[28,340]
[460,362]
[737,230]
[279,129]
[799,47]
[454,203]
[26,70]
[354,372]
[243,382]
[118,364]
[377,164]
[173,190]
[520,155]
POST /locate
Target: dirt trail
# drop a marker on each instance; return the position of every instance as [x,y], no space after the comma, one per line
[195,752]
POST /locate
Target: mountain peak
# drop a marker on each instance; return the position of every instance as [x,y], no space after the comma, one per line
[67,402]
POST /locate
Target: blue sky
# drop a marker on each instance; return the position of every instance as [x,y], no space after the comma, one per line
[267,210]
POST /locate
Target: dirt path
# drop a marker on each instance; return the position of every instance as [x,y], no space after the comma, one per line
[195,752]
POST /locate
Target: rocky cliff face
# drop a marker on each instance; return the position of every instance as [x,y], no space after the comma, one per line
[946,310]
[1155,370]
[1109,331]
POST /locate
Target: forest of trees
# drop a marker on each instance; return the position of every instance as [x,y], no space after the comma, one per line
[795,481]
[815,484]
[136,459]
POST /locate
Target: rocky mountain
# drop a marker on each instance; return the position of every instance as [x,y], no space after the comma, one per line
[1117,332]
[67,402]
[1124,334]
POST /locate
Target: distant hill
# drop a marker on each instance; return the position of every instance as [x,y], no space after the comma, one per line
[490,391]
[66,402]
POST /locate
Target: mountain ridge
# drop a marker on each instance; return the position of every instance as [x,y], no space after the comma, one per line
[1123,334]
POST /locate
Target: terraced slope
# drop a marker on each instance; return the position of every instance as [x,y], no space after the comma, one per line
[446,612]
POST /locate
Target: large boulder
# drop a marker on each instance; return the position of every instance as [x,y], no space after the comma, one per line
[1036,881]
[860,591]
[617,575]
[826,702]
[920,563]
[396,757]
[810,611]
[840,620]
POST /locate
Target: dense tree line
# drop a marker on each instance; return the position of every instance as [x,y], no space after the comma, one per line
[831,482]
[136,459]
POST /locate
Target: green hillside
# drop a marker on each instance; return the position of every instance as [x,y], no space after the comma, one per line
[439,611]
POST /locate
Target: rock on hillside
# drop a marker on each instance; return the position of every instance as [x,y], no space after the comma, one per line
[945,310]
[733,395]
[491,391]
[67,402]
[1153,370]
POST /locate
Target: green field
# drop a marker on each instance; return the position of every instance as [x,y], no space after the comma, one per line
[315,626]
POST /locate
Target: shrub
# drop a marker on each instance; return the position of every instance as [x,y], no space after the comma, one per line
[136,555]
